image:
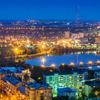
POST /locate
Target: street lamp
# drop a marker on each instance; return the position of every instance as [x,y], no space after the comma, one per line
[43,60]
[16,49]
[72,64]
[42,65]
[43,46]
[28,41]
[90,62]
[81,63]
[62,64]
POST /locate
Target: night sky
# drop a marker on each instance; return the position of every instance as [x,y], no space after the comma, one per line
[48,9]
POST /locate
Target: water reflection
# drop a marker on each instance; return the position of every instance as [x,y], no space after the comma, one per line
[98,66]
[92,67]
[66,59]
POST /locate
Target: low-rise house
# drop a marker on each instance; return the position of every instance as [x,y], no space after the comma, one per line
[17,71]
[66,92]
[90,85]
[97,74]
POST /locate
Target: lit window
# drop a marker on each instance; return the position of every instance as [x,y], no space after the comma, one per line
[41,91]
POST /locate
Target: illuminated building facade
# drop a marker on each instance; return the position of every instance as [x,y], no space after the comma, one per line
[73,80]
[90,85]
[97,74]
[97,39]
[36,91]
[67,34]
[14,88]
[18,72]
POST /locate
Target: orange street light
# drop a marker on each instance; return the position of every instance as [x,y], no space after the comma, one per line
[62,64]
[81,63]
[43,60]
[53,65]
[90,62]
[72,64]
[16,49]
[98,61]
[43,46]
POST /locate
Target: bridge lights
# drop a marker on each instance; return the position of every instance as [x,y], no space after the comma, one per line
[90,62]
[90,67]
[42,66]
[72,64]
[53,65]
[81,63]
[98,61]
[98,66]
[62,64]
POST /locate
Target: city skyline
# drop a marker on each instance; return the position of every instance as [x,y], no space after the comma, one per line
[49,50]
[48,10]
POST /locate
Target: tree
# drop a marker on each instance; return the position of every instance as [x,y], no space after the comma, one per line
[26,78]
[91,95]
[99,94]
[62,98]
[38,50]
[55,98]
[72,98]
[13,74]
[82,96]
[51,50]
[90,74]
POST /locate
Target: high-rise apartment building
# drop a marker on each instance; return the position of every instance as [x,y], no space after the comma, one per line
[73,80]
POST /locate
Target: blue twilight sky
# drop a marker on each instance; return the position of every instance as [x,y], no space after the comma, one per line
[48,9]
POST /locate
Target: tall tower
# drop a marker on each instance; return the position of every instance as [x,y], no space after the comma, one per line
[81,21]
[77,23]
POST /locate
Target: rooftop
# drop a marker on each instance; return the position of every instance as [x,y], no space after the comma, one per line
[12,69]
[36,85]
[79,71]
[3,72]
[5,78]
[21,89]
[13,80]
[69,90]
[93,83]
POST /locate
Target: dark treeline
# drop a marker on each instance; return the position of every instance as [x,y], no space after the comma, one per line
[57,50]
[60,50]
[19,51]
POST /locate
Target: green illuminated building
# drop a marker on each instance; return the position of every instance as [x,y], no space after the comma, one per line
[89,85]
[73,80]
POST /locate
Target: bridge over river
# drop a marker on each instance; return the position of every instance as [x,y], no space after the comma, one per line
[81,64]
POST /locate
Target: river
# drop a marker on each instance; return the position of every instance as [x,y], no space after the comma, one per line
[64,59]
